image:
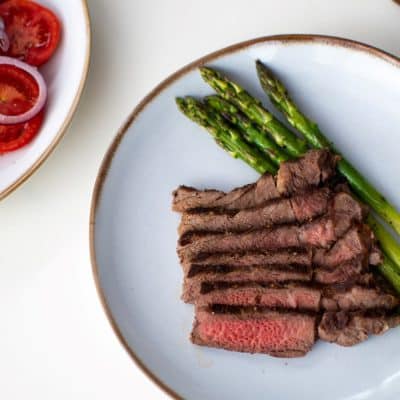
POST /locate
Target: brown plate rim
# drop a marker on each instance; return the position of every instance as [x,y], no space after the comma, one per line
[107,160]
[67,121]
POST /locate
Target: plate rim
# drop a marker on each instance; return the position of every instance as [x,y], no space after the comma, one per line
[154,93]
[67,120]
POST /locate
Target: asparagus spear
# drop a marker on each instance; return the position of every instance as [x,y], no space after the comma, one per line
[391,272]
[251,133]
[254,110]
[282,100]
[228,137]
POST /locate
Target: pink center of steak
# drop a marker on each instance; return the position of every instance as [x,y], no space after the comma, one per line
[274,334]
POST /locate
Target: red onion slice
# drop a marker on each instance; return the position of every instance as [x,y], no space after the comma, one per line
[4,41]
[42,97]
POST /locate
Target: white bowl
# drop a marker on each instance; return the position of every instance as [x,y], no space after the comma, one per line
[353,91]
[65,75]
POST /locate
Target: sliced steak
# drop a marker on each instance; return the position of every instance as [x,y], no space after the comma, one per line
[257,274]
[355,244]
[348,329]
[318,233]
[215,262]
[270,332]
[347,211]
[287,296]
[299,209]
[357,298]
[342,273]
[187,198]
[294,176]
[314,168]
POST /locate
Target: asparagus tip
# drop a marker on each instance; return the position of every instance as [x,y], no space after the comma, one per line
[267,79]
[205,71]
[180,102]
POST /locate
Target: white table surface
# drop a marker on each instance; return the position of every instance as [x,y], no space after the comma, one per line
[55,342]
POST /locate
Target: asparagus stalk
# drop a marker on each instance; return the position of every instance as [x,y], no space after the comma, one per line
[254,110]
[228,137]
[251,133]
[391,272]
[282,100]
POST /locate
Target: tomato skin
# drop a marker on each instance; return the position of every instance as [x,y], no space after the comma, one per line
[13,137]
[33,30]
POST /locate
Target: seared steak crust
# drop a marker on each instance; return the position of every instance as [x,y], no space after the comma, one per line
[348,329]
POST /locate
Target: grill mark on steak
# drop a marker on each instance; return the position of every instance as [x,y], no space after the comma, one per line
[297,209]
[294,295]
[341,216]
[192,286]
[270,332]
[208,287]
[318,233]
[348,329]
[289,296]
[197,269]
[286,257]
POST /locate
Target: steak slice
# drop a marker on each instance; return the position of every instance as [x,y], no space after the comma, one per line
[299,209]
[187,198]
[257,274]
[318,233]
[314,168]
[215,262]
[342,273]
[357,298]
[348,329]
[347,210]
[355,244]
[270,332]
[287,296]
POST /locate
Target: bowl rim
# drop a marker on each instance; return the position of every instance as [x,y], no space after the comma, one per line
[105,165]
[67,121]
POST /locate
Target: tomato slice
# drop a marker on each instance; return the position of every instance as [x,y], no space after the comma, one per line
[18,90]
[33,30]
[13,137]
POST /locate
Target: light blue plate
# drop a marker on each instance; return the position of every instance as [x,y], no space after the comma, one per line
[354,93]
